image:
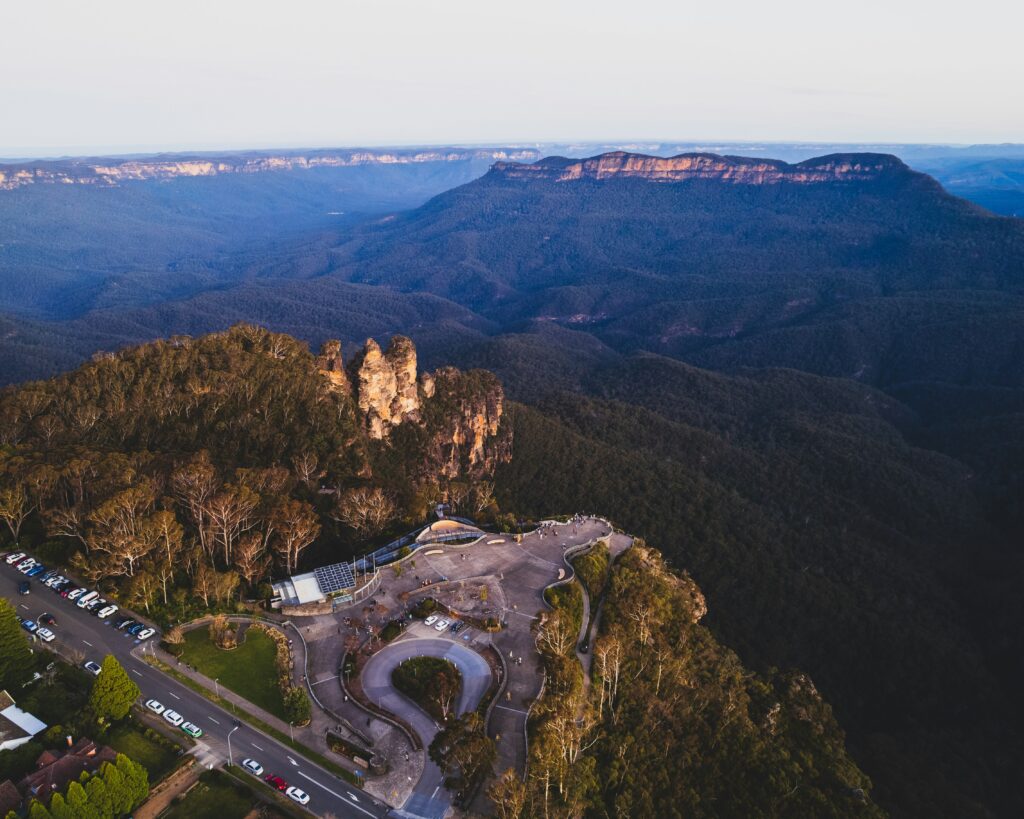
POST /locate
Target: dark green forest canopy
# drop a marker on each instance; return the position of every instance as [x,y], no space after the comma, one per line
[674,725]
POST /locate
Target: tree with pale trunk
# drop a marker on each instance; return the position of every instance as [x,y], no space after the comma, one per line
[296,525]
[366,509]
[194,483]
[231,514]
[15,506]
[508,794]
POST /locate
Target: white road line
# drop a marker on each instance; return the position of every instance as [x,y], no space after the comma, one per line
[136,673]
[333,793]
[257,747]
[88,643]
[327,680]
[213,720]
[435,791]
[296,764]
[23,606]
[504,708]
[174,695]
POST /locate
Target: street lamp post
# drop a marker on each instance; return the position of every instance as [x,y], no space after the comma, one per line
[216,684]
[230,758]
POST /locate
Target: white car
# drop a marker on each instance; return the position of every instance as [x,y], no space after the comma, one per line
[155,706]
[86,599]
[253,767]
[76,594]
[26,565]
[106,611]
[431,620]
[45,634]
[174,718]
[92,667]
[299,796]
[442,624]
[145,634]
[14,558]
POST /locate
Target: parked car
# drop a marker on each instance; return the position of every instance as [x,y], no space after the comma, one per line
[73,594]
[128,622]
[25,565]
[47,619]
[106,611]
[36,570]
[253,767]
[55,581]
[120,622]
[173,717]
[192,730]
[442,624]
[52,573]
[431,620]
[86,599]
[29,625]
[138,627]
[146,633]
[155,706]
[299,796]
[96,604]
[24,587]
[14,557]
[276,782]
[63,587]
[92,667]
[45,634]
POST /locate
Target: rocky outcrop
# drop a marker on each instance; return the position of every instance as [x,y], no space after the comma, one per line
[464,423]
[386,388]
[332,366]
[731,169]
[458,415]
[111,171]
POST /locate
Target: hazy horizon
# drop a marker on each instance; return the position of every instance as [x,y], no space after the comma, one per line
[253,75]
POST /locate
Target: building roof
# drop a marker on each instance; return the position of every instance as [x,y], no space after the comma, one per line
[14,723]
[10,798]
[52,776]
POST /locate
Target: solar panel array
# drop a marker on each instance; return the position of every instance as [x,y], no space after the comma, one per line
[335,577]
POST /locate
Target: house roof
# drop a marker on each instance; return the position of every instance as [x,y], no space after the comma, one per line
[56,775]
[10,798]
[28,725]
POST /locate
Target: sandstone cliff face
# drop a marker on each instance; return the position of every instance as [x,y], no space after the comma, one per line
[468,437]
[457,416]
[386,390]
[110,172]
[332,367]
[731,169]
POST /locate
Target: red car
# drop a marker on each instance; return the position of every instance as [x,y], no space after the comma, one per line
[275,782]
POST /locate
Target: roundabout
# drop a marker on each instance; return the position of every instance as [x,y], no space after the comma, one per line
[429,798]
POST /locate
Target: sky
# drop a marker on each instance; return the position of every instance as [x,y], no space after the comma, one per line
[115,76]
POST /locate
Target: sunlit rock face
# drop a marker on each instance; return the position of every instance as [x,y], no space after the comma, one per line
[110,172]
[737,170]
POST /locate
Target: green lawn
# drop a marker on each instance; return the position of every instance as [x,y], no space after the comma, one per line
[248,670]
[216,796]
[154,756]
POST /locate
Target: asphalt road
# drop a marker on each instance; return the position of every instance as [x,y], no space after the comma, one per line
[429,798]
[80,631]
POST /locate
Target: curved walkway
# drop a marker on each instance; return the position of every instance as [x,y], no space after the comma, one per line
[429,798]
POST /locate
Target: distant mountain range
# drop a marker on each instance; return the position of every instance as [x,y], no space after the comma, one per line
[801,377]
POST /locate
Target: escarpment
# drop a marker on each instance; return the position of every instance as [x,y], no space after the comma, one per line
[730,169]
[456,416]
